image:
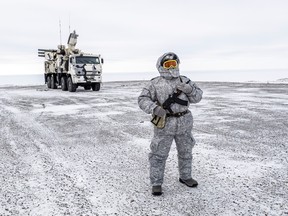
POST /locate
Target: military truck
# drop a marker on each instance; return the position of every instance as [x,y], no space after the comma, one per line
[70,68]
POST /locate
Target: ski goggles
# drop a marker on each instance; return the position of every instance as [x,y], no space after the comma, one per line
[170,64]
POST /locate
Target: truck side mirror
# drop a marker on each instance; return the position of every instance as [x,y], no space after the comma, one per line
[102,60]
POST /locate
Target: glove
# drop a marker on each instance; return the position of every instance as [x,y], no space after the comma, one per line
[159,111]
[186,88]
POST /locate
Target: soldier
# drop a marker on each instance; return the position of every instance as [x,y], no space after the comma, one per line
[167,97]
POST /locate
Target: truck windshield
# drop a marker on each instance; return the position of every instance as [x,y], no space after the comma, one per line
[87,60]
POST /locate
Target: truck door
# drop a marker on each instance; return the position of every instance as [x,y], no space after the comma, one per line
[71,64]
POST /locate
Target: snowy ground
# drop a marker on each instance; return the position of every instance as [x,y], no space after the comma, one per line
[85,153]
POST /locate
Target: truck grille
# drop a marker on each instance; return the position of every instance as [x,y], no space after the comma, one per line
[92,74]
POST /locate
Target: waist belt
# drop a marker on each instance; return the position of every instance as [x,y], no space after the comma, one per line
[177,115]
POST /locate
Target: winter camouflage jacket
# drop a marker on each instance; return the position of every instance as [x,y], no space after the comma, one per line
[159,89]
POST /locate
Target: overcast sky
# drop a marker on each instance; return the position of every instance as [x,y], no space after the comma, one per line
[131,34]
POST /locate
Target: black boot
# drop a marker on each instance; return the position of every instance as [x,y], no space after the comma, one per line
[189,182]
[156,190]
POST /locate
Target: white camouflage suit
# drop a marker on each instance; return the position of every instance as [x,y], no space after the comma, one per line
[176,128]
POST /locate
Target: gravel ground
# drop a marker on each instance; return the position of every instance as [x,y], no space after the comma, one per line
[86,153]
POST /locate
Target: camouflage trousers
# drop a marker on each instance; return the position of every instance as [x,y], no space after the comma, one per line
[178,129]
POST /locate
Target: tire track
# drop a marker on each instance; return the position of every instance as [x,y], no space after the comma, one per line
[39,168]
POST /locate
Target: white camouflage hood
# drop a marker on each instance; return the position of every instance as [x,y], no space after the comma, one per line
[167,73]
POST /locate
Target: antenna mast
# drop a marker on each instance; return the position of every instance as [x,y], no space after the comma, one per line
[69,24]
[60,32]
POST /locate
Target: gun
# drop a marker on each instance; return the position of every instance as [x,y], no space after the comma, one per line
[160,121]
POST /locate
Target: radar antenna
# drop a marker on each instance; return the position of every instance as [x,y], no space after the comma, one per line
[60,32]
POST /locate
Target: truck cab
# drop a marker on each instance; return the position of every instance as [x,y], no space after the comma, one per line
[85,70]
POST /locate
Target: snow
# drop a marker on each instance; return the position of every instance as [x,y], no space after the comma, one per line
[86,153]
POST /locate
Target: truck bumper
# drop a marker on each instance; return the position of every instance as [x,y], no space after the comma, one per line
[82,80]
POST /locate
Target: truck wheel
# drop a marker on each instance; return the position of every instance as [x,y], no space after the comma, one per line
[71,87]
[96,87]
[53,82]
[64,84]
[48,81]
